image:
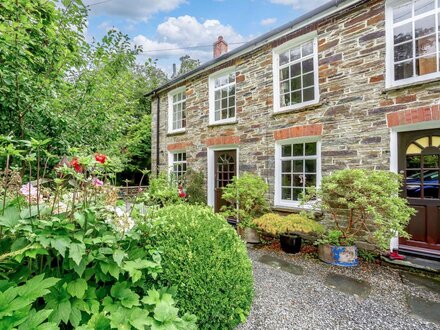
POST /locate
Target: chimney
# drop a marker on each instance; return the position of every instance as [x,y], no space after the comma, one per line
[174,71]
[220,47]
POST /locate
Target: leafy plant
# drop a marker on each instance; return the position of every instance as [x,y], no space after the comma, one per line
[276,225]
[195,187]
[163,190]
[205,259]
[247,198]
[364,203]
[335,237]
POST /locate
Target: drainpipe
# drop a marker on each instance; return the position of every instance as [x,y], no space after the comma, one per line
[157,134]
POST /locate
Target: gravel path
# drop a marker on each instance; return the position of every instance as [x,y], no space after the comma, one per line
[288,301]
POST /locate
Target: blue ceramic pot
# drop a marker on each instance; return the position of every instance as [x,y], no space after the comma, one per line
[345,256]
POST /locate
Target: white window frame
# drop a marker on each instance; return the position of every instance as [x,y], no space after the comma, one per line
[211,87]
[313,36]
[170,109]
[278,202]
[171,160]
[389,27]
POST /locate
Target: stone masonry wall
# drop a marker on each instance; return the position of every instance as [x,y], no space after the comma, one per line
[352,110]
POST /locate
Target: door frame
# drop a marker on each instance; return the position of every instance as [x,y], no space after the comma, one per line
[394,153]
[211,169]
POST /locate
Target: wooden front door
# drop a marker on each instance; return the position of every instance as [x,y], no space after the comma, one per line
[225,170]
[419,162]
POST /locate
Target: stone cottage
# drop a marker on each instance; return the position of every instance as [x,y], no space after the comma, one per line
[354,83]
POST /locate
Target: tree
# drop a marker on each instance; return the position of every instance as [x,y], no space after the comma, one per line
[187,64]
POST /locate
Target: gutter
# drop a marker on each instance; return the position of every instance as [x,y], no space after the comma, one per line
[257,42]
[157,135]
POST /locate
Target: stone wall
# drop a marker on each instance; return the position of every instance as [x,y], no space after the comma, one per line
[352,111]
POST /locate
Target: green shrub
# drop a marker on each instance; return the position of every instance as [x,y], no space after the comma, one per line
[163,190]
[361,203]
[247,198]
[276,225]
[203,256]
[195,187]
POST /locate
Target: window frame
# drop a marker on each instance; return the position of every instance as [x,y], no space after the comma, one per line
[313,36]
[278,202]
[211,88]
[389,45]
[170,109]
[171,161]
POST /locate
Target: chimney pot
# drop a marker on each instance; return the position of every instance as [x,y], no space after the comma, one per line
[220,47]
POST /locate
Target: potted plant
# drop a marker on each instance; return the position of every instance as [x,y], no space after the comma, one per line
[246,197]
[288,229]
[359,205]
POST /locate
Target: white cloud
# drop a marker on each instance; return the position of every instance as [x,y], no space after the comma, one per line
[184,33]
[268,21]
[133,9]
[300,4]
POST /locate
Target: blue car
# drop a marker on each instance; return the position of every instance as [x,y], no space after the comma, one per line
[430,185]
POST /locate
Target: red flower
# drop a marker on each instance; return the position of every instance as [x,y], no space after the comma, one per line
[182,193]
[75,164]
[100,158]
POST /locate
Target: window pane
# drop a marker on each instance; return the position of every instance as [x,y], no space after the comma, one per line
[310,166]
[298,149]
[403,70]
[426,65]
[231,112]
[403,52]
[224,93]
[232,101]
[308,80]
[310,149]
[403,33]
[286,180]
[286,194]
[286,150]
[298,180]
[285,99]
[295,97]
[296,193]
[284,88]
[423,6]
[309,94]
[295,54]
[224,113]
[217,95]
[298,166]
[232,90]
[426,46]
[307,66]
[425,26]
[295,70]
[224,103]
[307,48]
[430,161]
[217,115]
[286,166]
[403,12]
[413,162]
[232,77]
[284,73]
[295,83]
[284,58]
[310,180]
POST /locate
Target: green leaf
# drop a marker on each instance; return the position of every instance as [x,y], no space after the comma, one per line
[26,213]
[36,287]
[118,256]
[10,217]
[76,251]
[34,319]
[165,312]
[127,297]
[60,244]
[61,312]
[77,288]
[75,317]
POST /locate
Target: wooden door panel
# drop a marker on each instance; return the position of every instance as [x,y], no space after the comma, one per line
[417,225]
[225,169]
[419,162]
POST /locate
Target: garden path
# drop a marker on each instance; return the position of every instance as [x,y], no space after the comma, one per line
[296,292]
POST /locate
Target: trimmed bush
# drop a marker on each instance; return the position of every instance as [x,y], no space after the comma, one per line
[203,256]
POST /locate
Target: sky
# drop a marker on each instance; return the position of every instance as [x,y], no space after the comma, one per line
[169,29]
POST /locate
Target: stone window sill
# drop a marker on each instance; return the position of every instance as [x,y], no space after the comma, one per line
[301,109]
[409,85]
[223,123]
[176,133]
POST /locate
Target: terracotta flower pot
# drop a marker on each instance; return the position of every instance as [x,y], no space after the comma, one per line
[345,256]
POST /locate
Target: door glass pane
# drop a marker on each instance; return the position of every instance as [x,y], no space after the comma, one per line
[413,162]
[430,161]
[430,191]
[413,191]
